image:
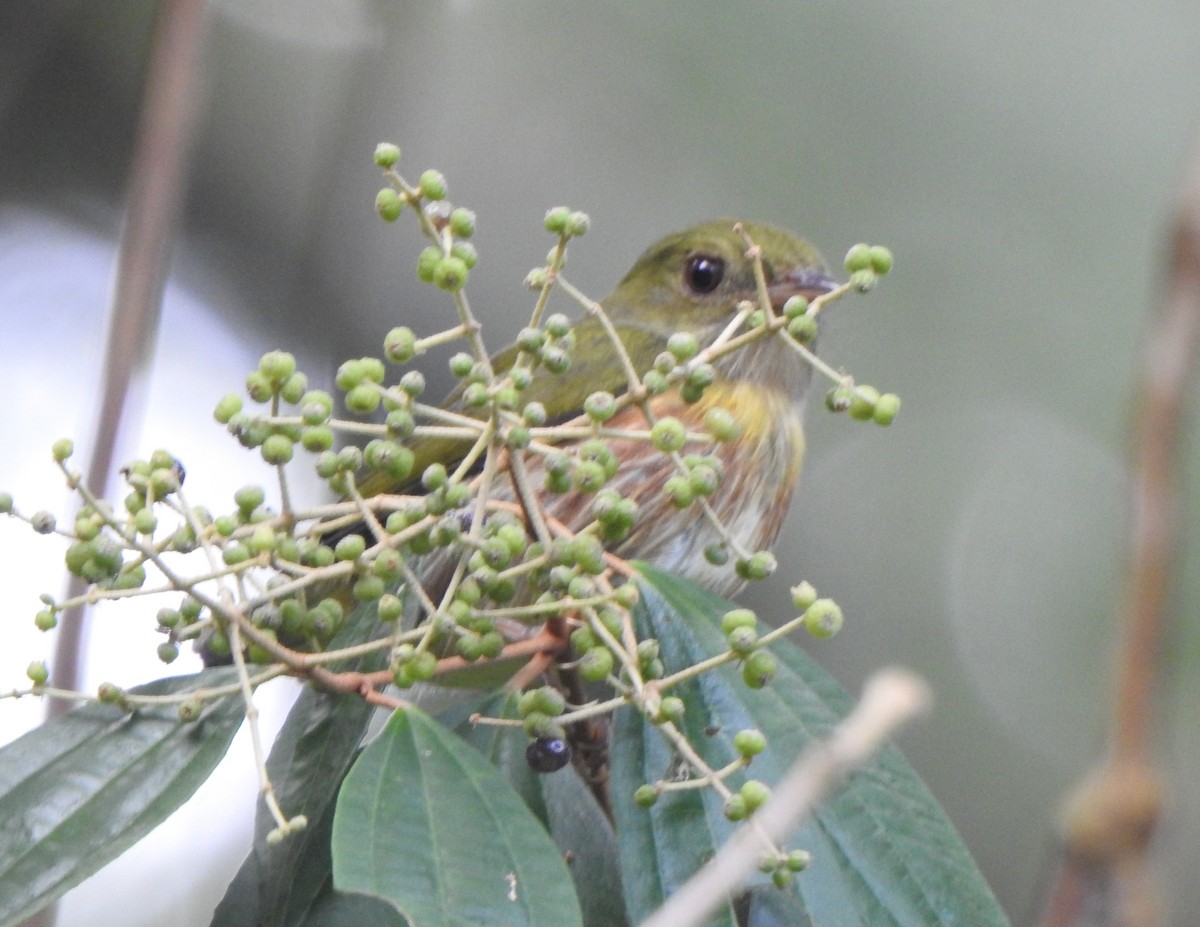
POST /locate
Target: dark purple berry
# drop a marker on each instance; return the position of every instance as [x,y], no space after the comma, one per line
[547,754]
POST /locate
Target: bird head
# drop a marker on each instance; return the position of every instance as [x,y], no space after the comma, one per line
[695,280]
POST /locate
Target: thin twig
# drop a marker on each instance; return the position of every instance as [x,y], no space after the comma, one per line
[1111,815]
[891,698]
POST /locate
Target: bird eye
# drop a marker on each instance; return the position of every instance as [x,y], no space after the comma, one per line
[703,273]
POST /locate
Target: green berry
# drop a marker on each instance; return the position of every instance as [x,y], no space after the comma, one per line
[596,665]
[462,223]
[386,155]
[42,522]
[248,498]
[857,258]
[362,399]
[37,673]
[600,406]
[722,425]
[759,565]
[671,708]
[461,364]
[534,414]
[556,360]
[700,376]
[191,709]
[400,423]
[277,366]
[350,374]
[755,794]
[803,328]
[823,618]
[145,521]
[465,252]
[427,262]
[880,259]
[683,346]
[258,387]
[795,306]
[735,808]
[864,280]
[435,476]
[227,407]
[549,700]
[62,449]
[390,607]
[168,652]
[388,203]
[315,407]
[655,382]
[742,640]
[577,224]
[350,547]
[400,345]
[668,434]
[738,618]
[558,325]
[645,796]
[294,388]
[556,220]
[433,185]
[110,694]
[839,398]
[368,588]
[749,742]
[413,383]
[803,595]
[781,878]
[679,491]
[886,408]
[451,274]
[703,480]
[531,340]
[759,669]
[6,503]
[235,553]
[316,438]
[799,860]
[588,476]
[278,449]
[862,403]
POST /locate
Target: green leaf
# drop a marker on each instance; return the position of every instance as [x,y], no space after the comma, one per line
[883,851]
[78,791]
[566,807]
[426,823]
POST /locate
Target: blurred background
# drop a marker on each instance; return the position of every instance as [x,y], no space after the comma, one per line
[1019,160]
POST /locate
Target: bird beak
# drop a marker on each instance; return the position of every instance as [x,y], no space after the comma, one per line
[809,282]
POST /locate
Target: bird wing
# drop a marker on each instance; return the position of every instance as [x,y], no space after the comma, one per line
[595,366]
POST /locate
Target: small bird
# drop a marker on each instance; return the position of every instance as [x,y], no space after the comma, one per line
[693,281]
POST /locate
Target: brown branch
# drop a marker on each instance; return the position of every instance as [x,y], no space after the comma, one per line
[156,181]
[1111,816]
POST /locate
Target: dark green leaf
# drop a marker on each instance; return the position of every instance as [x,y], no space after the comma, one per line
[80,790]
[428,824]
[334,909]
[769,907]
[566,807]
[883,851]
